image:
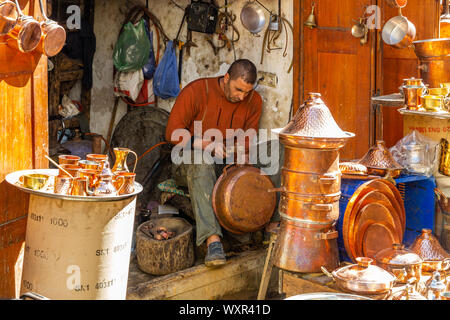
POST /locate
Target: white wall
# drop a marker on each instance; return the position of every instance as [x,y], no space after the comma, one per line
[109,16]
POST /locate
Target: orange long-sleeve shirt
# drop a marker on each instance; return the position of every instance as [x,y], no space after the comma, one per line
[203,100]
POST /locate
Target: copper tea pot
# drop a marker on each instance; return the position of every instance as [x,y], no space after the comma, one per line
[27,32]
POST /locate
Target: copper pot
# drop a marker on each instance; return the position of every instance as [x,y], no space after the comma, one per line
[434,257]
[294,207]
[434,61]
[379,161]
[403,263]
[399,32]
[305,247]
[311,183]
[363,278]
[318,161]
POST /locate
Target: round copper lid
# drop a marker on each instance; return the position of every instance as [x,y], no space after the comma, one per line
[379,156]
[397,255]
[313,119]
[365,272]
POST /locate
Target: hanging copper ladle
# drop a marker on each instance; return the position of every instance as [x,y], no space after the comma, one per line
[27,31]
[53,35]
[8,17]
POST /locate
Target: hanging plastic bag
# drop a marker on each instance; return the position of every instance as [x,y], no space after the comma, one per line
[417,153]
[146,96]
[150,67]
[165,80]
[132,49]
[128,84]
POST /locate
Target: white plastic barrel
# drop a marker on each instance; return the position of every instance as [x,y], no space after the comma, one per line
[78,250]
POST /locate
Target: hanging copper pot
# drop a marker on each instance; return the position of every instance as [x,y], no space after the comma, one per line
[53,35]
[27,32]
[379,161]
[399,260]
[434,257]
[8,17]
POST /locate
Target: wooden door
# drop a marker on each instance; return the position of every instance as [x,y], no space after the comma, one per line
[398,64]
[335,64]
[23,144]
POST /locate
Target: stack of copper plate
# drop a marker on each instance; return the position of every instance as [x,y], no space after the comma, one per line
[374,219]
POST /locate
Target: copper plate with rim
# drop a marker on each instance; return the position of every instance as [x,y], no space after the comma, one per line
[241,199]
[361,191]
[377,211]
[374,236]
[350,218]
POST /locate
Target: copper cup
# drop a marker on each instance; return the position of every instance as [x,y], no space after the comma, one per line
[8,17]
[53,36]
[124,182]
[86,164]
[27,32]
[68,159]
[63,184]
[80,187]
[91,175]
[70,168]
[34,181]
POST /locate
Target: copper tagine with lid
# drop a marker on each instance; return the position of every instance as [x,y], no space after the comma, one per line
[313,126]
[363,278]
[434,257]
[403,263]
[379,161]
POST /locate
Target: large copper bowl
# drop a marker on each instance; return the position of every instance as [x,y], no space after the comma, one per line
[434,60]
[242,200]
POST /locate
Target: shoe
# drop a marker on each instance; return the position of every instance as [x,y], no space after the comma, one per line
[215,256]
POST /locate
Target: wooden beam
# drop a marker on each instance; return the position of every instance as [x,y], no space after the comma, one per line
[297,56]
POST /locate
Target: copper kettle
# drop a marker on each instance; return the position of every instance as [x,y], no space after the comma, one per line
[53,35]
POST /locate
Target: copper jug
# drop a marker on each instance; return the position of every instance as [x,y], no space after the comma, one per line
[120,165]
[27,32]
[53,35]
[8,17]
[91,175]
[124,182]
[105,187]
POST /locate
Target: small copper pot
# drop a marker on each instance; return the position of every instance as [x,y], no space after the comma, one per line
[27,32]
[53,35]
[8,17]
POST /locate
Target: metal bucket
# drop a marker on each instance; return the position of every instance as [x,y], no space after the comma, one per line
[78,250]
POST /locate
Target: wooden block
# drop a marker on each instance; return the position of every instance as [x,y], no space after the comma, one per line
[292,284]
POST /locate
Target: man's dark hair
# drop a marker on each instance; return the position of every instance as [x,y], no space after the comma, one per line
[244,69]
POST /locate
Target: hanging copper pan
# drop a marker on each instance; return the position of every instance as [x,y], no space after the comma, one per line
[53,35]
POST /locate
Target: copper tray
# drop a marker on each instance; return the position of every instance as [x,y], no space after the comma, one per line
[373,210]
[374,236]
[379,211]
[241,199]
[350,218]
[380,185]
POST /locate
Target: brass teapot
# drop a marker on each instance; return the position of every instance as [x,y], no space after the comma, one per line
[120,165]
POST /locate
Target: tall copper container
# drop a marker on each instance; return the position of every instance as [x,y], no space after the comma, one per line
[310,189]
[434,60]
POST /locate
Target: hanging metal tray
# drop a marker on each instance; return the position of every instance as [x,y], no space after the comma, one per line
[13,179]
